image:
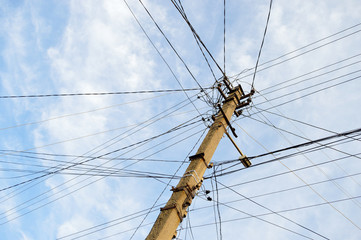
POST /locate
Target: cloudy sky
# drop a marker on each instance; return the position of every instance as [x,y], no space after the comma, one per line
[101,166]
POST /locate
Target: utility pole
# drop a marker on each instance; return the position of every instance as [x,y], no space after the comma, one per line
[176,208]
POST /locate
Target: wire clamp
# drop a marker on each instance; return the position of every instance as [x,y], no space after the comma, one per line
[245,161]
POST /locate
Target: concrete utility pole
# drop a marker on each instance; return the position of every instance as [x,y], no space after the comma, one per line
[176,208]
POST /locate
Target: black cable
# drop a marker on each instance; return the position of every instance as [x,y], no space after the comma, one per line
[337,135]
[159,53]
[313,71]
[88,160]
[200,40]
[73,114]
[152,118]
[309,87]
[9,154]
[288,59]
[218,211]
[224,37]
[187,137]
[214,209]
[310,44]
[263,220]
[102,93]
[263,38]
[308,79]
[298,187]
[184,15]
[295,120]
[311,93]
[283,130]
[169,43]
[343,134]
[286,189]
[196,209]
[282,173]
[105,224]
[281,211]
[278,214]
[180,9]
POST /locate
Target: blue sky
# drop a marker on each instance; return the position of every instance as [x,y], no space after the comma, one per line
[97,46]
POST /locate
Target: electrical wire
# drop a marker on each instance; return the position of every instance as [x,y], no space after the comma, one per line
[102,93]
[278,214]
[80,113]
[148,124]
[309,73]
[159,53]
[311,93]
[237,76]
[281,211]
[263,220]
[263,38]
[224,37]
[285,189]
[171,45]
[309,87]
[98,179]
[200,40]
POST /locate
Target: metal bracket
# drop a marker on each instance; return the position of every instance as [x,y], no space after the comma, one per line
[245,161]
[179,212]
[227,83]
[221,91]
[186,188]
[233,142]
[197,156]
[227,121]
[244,103]
[190,193]
[247,95]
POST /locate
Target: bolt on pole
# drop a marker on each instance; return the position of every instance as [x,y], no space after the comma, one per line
[172,214]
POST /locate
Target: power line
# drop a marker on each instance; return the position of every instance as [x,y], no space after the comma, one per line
[169,43]
[308,79]
[80,113]
[281,211]
[91,159]
[298,55]
[337,135]
[309,87]
[224,37]
[313,71]
[102,93]
[311,93]
[113,223]
[282,173]
[199,39]
[187,137]
[263,220]
[161,56]
[180,9]
[151,120]
[283,130]
[263,38]
[258,204]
